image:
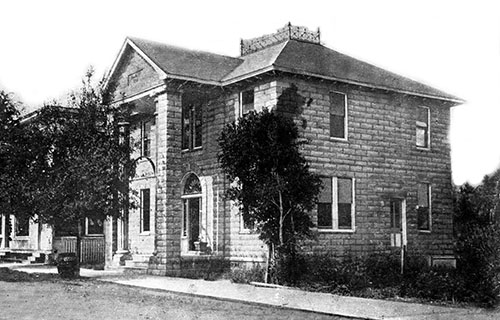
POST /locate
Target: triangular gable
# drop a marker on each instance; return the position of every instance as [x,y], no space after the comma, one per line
[142,65]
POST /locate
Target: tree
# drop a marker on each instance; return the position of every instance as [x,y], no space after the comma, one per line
[81,164]
[10,132]
[273,185]
[477,233]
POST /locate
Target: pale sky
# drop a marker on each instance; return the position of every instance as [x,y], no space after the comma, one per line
[46,47]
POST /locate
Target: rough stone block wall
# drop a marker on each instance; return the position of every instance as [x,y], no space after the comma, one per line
[381,154]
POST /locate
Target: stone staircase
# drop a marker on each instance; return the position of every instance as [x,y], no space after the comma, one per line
[22,256]
[138,264]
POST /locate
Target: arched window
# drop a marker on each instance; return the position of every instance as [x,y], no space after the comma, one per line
[191,212]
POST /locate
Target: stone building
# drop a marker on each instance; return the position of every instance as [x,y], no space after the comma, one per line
[379,140]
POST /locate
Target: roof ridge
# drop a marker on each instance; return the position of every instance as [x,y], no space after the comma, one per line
[133,39]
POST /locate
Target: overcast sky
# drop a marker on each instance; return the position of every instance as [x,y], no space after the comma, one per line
[46,47]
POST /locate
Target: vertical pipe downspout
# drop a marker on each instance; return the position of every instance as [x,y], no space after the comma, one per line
[217,216]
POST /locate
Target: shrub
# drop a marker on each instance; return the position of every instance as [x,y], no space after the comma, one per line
[478,251]
[383,270]
[246,275]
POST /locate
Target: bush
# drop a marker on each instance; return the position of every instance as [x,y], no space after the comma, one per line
[478,251]
[444,284]
[376,276]
[247,275]
[383,270]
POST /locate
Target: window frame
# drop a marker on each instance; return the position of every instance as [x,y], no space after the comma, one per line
[142,225]
[335,208]
[146,136]
[429,207]
[425,126]
[16,228]
[243,227]
[87,228]
[194,107]
[346,116]
[240,102]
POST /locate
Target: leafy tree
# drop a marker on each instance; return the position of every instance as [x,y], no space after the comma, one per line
[477,232]
[81,163]
[273,185]
[10,131]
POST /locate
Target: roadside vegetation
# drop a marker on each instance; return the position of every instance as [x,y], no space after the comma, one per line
[475,280]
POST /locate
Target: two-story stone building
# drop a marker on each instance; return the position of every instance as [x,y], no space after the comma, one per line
[379,140]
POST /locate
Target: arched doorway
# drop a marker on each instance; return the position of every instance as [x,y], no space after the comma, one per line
[191,213]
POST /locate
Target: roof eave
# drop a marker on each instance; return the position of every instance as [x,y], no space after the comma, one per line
[455,101]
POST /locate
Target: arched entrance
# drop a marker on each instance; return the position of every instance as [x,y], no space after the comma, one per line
[191,213]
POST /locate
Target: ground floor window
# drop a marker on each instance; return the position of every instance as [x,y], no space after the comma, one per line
[94,227]
[424,207]
[336,204]
[22,226]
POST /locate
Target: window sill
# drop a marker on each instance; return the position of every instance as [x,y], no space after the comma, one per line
[94,235]
[424,231]
[335,230]
[423,148]
[145,233]
[247,231]
[339,139]
[193,254]
[21,238]
[192,150]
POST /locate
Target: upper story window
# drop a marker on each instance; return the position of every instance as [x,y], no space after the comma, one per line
[146,139]
[246,104]
[191,122]
[338,115]
[422,127]
[336,204]
[424,207]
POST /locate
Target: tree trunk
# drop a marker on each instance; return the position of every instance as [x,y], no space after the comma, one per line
[281,219]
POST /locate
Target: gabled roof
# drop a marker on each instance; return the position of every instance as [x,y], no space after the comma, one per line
[176,61]
[313,59]
[294,56]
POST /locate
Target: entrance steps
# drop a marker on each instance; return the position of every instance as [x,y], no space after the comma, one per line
[138,264]
[22,256]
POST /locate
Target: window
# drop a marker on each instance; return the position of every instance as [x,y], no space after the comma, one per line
[191,122]
[22,227]
[336,204]
[246,102]
[422,127]
[246,225]
[94,226]
[424,207]
[145,139]
[338,115]
[145,210]
[191,212]
[396,214]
